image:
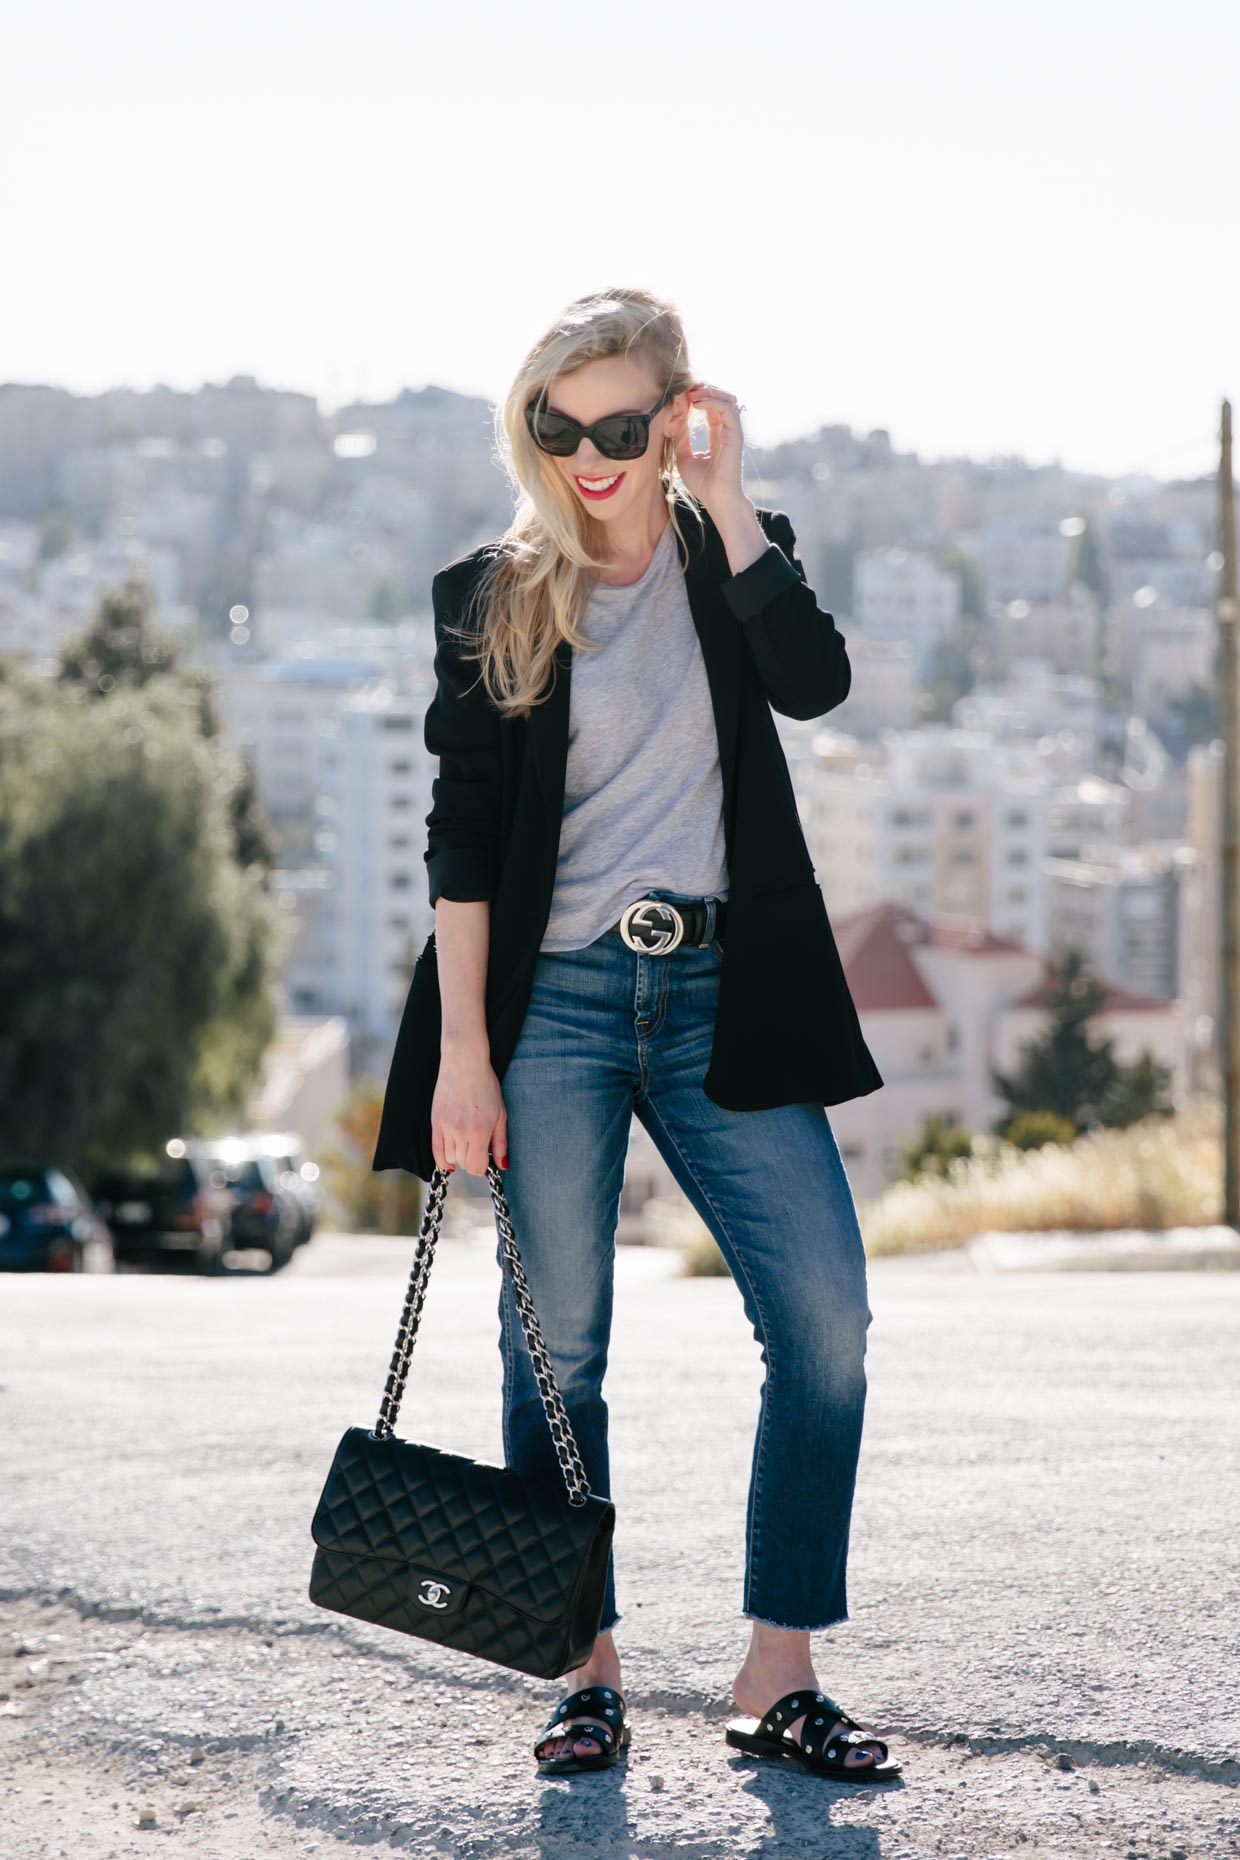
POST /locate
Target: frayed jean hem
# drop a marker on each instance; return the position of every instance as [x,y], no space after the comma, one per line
[792,1627]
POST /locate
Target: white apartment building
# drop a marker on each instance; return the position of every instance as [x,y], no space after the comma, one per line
[1157,783]
[939,1006]
[1064,632]
[1034,700]
[950,822]
[322,567]
[274,711]
[1170,558]
[71,584]
[307,893]
[1163,649]
[903,594]
[1120,906]
[1088,811]
[375,796]
[1025,558]
[885,686]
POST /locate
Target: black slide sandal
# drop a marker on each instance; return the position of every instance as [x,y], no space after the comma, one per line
[767,1737]
[608,1725]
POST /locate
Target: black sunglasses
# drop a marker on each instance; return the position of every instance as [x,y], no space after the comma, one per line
[619,436]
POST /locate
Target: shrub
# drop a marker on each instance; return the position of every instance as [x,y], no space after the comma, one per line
[1161,1172]
[1029,1130]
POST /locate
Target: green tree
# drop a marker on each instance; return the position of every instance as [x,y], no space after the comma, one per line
[124,648]
[56,534]
[137,956]
[936,1145]
[949,677]
[959,562]
[1142,1090]
[387,599]
[1086,565]
[1066,1071]
[381,1201]
[1063,1068]
[121,645]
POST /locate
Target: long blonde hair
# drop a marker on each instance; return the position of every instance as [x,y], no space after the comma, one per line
[534,587]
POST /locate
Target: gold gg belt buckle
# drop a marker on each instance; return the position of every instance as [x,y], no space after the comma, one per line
[652,925]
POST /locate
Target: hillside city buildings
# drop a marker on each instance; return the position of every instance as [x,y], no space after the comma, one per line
[1027,761]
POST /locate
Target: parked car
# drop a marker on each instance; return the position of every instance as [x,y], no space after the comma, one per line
[298,1175]
[181,1205]
[265,1212]
[48,1222]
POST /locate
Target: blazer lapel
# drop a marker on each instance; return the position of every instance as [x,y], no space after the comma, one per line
[719,635]
[547,729]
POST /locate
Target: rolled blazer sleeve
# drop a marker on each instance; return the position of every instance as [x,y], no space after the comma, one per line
[462,729]
[800,655]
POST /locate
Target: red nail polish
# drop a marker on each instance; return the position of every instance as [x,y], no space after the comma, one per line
[503,1162]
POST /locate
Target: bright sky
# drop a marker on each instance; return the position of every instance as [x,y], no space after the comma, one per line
[988,228]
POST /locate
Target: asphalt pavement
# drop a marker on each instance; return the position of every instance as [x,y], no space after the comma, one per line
[1042,1574]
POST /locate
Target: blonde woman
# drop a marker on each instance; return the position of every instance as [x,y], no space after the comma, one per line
[627,922]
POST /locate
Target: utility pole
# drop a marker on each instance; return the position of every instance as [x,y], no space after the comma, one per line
[1229,980]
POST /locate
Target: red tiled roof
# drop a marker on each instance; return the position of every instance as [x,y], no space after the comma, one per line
[880,970]
[977,941]
[1118,1000]
[918,930]
[876,947]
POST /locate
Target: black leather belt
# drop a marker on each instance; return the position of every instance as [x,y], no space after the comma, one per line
[656,926]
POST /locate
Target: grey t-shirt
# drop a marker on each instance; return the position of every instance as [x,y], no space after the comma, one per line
[643,796]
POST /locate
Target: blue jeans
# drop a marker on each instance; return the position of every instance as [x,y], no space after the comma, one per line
[610,1031]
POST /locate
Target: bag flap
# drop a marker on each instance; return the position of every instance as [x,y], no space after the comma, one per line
[462,1519]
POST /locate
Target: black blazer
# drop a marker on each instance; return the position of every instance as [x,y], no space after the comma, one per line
[786,1028]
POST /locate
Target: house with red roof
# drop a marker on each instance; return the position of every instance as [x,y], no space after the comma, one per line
[940,1003]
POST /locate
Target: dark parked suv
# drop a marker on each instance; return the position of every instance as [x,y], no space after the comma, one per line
[299,1176]
[265,1212]
[47,1222]
[182,1205]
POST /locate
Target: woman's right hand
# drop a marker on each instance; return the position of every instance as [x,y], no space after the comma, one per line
[467,1111]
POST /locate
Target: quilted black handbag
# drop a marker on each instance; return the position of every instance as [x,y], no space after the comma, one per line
[455,1550]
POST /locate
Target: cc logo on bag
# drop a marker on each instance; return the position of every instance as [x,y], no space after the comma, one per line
[431,1592]
[651,924]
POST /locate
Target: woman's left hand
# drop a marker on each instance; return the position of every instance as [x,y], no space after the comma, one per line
[714,476]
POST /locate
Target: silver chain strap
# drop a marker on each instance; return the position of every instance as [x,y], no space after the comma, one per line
[553,1402]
